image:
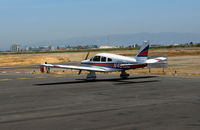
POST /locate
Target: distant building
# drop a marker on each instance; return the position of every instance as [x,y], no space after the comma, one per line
[155,45]
[107,47]
[15,48]
[51,48]
[26,48]
[132,46]
[61,49]
[43,48]
[175,44]
[91,46]
[34,48]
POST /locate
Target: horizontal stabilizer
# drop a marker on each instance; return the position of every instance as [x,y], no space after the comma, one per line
[156,60]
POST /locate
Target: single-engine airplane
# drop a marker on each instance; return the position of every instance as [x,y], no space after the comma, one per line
[107,62]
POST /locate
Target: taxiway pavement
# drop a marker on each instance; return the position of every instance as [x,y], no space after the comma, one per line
[46,102]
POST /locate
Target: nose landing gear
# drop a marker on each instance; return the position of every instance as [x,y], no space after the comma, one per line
[91,76]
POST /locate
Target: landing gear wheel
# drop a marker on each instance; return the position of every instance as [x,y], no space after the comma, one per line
[124,75]
[91,76]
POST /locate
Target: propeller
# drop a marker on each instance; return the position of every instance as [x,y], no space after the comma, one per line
[87,55]
[79,72]
[85,59]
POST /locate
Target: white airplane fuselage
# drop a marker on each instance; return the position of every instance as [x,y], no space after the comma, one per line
[113,62]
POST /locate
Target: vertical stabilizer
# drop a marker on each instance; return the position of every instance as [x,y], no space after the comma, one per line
[143,52]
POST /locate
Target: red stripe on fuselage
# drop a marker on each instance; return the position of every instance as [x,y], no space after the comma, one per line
[128,66]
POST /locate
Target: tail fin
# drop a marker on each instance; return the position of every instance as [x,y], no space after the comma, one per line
[143,52]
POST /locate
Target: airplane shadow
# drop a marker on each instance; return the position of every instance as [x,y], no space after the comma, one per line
[118,81]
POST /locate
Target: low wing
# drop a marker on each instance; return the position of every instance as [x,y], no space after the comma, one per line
[75,67]
[156,60]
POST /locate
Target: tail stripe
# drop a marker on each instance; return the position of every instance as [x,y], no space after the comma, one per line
[144,52]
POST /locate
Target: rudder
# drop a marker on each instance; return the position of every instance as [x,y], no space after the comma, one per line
[143,52]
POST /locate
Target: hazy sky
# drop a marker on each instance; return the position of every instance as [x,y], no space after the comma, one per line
[29,21]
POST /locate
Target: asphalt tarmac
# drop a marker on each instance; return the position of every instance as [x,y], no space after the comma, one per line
[68,102]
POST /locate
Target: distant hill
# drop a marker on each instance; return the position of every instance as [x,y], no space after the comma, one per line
[130,39]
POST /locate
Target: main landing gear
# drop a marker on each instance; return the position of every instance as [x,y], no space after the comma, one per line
[123,74]
[91,76]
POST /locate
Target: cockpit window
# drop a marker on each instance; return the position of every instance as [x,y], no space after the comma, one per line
[103,59]
[109,59]
[96,58]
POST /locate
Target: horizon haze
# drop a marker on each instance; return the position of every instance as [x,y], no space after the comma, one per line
[33,22]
